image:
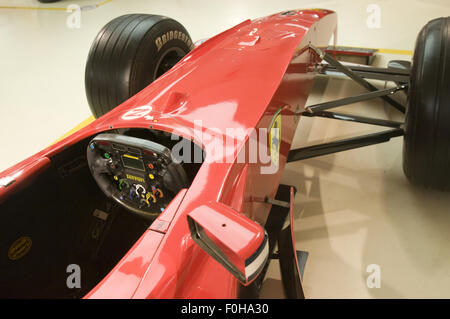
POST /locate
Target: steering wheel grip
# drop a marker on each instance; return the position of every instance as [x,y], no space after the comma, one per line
[99,170]
[175,178]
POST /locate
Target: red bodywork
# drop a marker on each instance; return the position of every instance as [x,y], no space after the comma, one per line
[237,79]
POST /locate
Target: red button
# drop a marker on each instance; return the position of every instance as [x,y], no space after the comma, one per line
[150,165]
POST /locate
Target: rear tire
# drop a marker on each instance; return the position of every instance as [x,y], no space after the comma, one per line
[426,152]
[129,53]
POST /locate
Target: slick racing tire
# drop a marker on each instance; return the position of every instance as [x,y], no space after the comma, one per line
[426,151]
[129,53]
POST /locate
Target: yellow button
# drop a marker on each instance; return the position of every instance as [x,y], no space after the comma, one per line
[151,176]
[116,178]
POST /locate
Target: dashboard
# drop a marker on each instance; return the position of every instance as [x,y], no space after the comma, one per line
[138,174]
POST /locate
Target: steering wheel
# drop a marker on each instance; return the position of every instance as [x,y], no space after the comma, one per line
[138,174]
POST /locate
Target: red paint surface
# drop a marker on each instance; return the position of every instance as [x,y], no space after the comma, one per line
[237,79]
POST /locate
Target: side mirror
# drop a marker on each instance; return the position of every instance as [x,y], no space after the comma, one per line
[235,241]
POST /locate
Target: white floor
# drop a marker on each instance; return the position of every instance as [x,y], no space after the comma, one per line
[353,209]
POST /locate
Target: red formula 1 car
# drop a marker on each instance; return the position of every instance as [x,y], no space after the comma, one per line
[176,193]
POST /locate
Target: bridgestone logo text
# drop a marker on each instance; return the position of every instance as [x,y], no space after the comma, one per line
[171,35]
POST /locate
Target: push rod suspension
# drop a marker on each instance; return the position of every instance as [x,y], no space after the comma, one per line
[354,118]
[355,99]
[342,145]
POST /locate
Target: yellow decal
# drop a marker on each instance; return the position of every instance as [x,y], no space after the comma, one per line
[135,178]
[275,138]
[129,156]
[19,248]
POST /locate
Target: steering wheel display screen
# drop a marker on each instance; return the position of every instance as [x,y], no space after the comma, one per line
[133,162]
[138,174]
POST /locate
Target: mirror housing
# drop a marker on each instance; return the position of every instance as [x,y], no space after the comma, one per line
[238,243]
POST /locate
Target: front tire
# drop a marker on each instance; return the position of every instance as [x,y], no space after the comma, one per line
[426,152]
[128,54]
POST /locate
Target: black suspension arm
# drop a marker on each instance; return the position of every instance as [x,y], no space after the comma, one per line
[354,118]
[355,77]
[370,72]
[342,145]
[354,99]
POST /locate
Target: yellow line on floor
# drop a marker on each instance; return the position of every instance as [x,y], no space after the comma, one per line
[34,8]
[49,8]
[381,50]
[394,51]
[388,51]
[87,121]
[103,2]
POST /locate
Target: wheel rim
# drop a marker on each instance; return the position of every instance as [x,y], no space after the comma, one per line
[167,61]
